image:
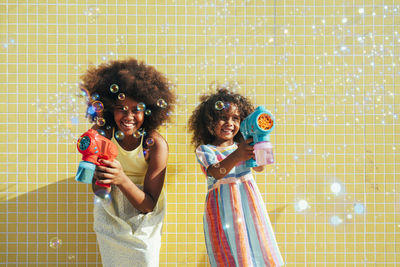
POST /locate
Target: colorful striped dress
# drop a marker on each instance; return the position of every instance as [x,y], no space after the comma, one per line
[237,228]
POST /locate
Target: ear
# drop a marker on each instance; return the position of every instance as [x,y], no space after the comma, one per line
[210,128]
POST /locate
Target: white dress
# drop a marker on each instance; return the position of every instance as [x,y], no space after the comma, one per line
[127,237]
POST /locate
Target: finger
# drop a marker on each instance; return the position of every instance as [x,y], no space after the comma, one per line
[106,181]
[100,168]
[248,141]
[105,162]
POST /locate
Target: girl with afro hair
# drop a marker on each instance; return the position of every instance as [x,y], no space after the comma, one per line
[127,102]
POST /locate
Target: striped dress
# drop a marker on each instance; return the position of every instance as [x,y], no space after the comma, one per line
[237,228]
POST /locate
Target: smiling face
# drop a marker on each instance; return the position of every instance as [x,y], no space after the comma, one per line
[227,126]
[127,117]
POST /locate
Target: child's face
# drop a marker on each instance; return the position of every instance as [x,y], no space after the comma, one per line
[227,126]
[127,116]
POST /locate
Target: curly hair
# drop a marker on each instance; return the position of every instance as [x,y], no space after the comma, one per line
[207,114]
[136,80]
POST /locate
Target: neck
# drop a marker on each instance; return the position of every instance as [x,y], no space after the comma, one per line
[129,143]
[223,143]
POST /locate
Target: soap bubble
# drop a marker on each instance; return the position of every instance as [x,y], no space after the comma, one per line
[101,121]
[222,170]
[147,112]
[162,103]
[149,141]
[301,205]
[121,96]
[71,258]
[359,208]
[95,96]
[119,135]
[137,134]
[91,111]
[336,220]
[114,88]
[336,188]
[141,106]
[125,108]
[101,132]
[84,93]
[219,105]
[102,194]
[98,106]
[55,243]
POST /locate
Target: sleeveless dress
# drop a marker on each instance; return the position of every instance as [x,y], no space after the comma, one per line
[127,237]
[237,228]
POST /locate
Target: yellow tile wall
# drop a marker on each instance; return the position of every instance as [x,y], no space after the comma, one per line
[328,69]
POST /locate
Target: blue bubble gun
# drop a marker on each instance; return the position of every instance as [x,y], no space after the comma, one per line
[259,125]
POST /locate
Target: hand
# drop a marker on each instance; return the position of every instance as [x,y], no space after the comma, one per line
[245,151]
[110,172]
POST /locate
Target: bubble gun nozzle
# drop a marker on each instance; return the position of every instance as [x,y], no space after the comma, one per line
[259,125]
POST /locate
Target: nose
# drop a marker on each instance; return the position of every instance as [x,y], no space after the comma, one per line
[229,121]
[129,113]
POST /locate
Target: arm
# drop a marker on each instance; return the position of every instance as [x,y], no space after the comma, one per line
[144,200]
[242,153]
[259,168]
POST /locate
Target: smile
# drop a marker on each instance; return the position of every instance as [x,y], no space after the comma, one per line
[128,125]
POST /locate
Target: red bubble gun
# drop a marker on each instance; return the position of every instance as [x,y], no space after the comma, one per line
[93,146]
[259,125]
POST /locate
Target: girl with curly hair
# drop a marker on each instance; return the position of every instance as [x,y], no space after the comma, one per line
[128,100]
[237,228]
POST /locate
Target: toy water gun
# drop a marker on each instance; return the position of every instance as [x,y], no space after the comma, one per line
[259,125]
[93,146]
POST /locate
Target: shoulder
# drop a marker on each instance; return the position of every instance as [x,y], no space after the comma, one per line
[154,141]
[201,149]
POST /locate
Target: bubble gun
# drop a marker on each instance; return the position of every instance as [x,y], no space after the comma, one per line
[93,146]
[259,125]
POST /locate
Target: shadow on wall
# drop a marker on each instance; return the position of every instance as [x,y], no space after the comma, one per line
[52,224]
